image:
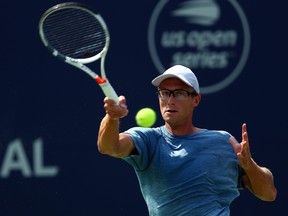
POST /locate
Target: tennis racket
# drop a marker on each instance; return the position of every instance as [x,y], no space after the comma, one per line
[77,35]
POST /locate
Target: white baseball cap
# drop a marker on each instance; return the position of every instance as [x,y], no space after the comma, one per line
[181,72]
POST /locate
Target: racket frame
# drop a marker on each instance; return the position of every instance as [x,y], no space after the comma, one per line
[80,63]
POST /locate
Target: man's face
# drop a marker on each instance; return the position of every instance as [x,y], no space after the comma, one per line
[177,112]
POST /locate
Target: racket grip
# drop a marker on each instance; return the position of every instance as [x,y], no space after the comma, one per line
[109,91]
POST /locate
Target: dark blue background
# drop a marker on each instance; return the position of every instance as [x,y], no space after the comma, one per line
[43,97]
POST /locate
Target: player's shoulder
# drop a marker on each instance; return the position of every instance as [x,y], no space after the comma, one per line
[219,133]
[143,130]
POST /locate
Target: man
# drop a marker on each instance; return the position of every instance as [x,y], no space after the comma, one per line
[183,169]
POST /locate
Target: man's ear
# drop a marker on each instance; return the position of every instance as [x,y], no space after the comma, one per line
[197,100]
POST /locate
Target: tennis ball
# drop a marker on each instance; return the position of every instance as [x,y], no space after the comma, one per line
[146,117]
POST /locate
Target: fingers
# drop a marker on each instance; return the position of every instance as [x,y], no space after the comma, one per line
[235,144]
[242,149]
[112,102]
[245,140]
[114,111]
[245,152]
[244,132]
[233,141]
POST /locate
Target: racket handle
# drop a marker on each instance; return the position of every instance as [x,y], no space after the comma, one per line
[109,91]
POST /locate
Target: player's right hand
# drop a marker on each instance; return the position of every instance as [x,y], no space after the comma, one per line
[113,111]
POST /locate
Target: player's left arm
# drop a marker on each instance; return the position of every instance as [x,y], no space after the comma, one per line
[259,180]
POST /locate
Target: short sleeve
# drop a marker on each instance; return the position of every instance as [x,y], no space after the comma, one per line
[145,141]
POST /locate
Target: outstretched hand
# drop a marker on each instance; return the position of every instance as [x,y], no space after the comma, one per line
[114,111]
[242,149]
[258,179]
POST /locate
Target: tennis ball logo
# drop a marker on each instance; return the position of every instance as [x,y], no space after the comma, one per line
[146,117]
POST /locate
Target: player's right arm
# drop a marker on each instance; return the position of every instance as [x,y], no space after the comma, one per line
[110,142]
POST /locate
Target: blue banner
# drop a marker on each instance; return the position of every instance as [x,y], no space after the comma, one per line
[50,111]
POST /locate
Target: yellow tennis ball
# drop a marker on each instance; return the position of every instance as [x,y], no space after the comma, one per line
[146,117]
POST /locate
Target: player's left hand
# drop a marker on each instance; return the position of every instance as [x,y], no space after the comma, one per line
[242,149]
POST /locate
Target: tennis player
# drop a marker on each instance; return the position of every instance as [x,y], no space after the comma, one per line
[183,169]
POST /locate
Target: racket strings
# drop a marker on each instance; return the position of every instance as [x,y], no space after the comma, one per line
[75,33]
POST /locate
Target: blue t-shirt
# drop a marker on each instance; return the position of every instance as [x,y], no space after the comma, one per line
[195,174]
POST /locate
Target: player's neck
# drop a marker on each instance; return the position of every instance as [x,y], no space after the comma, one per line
[179,130]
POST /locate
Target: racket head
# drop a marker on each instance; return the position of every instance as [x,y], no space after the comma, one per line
[74,32]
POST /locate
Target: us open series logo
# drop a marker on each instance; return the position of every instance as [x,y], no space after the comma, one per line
[211,37]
